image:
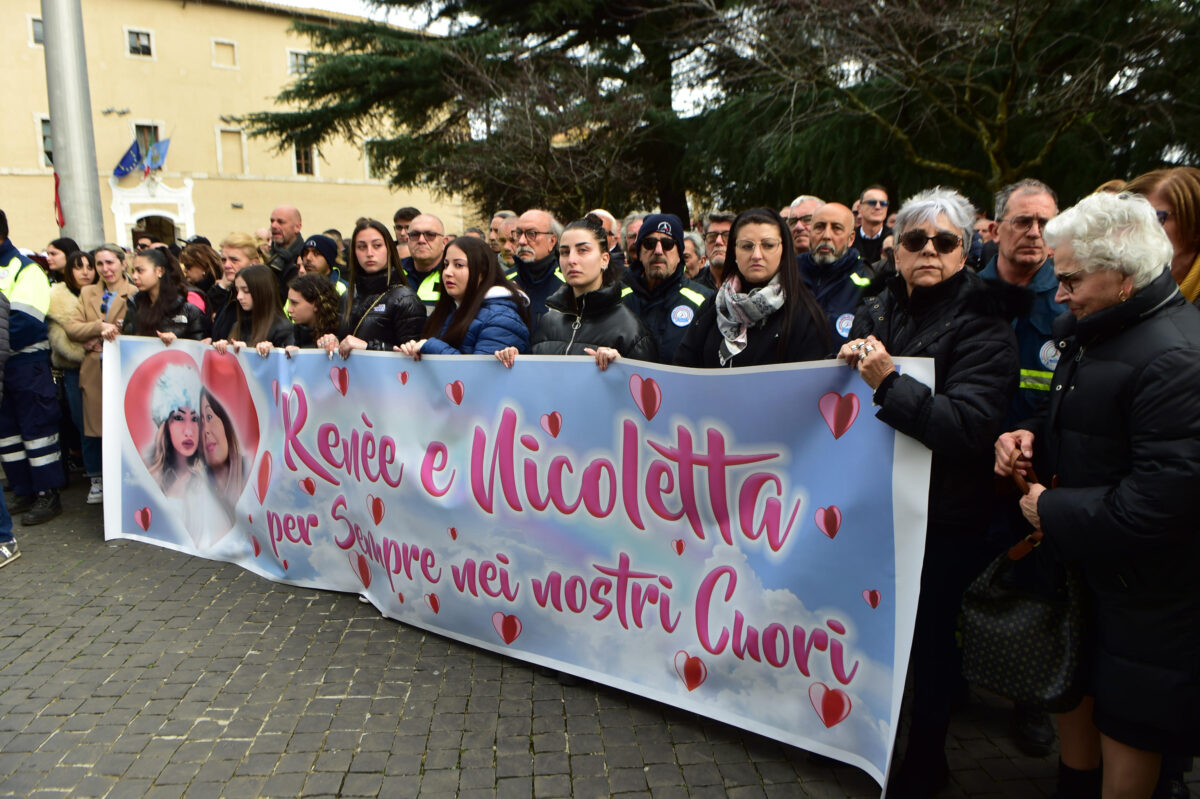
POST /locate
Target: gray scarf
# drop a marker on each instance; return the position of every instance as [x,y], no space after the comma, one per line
[737,312]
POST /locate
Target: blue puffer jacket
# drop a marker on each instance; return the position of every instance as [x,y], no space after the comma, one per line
[497,325]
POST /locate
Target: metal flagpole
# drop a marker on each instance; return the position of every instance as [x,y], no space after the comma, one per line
[71,122]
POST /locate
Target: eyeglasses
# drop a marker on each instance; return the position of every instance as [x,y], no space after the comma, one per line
[1070,281]
[746,247]
[805,220]
[1163,216]
[875,203]
[712,236]
[530,235]
[650,242]
[1022,224]
[944,243]
[428,235]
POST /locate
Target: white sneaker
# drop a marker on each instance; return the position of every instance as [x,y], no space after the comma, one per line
[96,492]
[8,553]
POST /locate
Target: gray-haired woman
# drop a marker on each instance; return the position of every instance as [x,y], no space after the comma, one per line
[937,309]
[1122,436]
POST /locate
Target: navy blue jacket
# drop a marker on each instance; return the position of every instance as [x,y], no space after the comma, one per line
[497,325]
[1037,349]
[838,288]
[538,279]
[668,310]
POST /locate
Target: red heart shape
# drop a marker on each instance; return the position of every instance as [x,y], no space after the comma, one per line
[308,486]
[872,597]
[690,669]
[552,423]
[508,627]
[264,477]
[285,564]
[256,546]
[402,377]
[678,545]
[433,602]
[646,395]
[839,412]
[455,391]
[829,520]
[142,518]
[832,704]
[375,505]
[453,531]
[340,379]
[361,567]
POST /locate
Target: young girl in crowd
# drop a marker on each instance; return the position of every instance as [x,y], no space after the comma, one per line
[57,253]
[381,310]
[763,313]
[160,307]
[99,315]
[201,267]
[66,355]
[479,310]
[313,302]
[586,316]
[259,317]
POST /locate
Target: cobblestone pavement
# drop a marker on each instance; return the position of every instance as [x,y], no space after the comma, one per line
[132,671]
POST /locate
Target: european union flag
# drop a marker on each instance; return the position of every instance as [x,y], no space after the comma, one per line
[157,154]
[129,161]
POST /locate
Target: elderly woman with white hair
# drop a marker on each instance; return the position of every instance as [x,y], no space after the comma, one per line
[935,308]
[1122,436]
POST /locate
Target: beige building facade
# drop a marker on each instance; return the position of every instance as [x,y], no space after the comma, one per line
[184,70]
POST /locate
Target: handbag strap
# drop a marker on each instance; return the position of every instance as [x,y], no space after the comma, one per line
[1031,541]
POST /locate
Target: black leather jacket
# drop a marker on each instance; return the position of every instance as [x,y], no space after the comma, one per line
[184,319]
[383,315]
[597,319]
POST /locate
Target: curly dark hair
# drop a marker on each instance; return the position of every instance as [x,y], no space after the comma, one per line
[318,290]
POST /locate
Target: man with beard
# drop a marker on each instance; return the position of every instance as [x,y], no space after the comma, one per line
[286,244]
[716,242]
[656,288]
[535,262]
[833,270]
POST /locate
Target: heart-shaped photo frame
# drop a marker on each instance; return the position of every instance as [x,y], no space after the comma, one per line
[197,431]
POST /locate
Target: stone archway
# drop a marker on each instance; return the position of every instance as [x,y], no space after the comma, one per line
[161,227]
[152,198]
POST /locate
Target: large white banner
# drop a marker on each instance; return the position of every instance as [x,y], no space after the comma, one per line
[745,544]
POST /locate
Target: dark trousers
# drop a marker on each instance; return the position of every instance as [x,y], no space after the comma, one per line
[29,419]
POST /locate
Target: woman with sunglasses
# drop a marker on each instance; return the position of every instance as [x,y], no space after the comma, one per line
[99,314]
[935,308]
[762,313]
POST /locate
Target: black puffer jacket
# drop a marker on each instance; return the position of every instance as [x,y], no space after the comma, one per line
[597,319]
[701,344]
[383,315]
[962,323]
[184,319]
[222,309]
[1122,434]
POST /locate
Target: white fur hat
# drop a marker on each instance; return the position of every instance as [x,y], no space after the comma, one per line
[177,387]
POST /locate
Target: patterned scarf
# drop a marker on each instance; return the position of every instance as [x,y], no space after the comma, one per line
[737,312]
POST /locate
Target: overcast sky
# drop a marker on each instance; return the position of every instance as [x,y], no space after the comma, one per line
[359,8]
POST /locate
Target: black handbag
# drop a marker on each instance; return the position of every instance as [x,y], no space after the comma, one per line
[1023,627]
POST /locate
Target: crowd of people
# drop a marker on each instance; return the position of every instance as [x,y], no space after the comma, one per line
[1067,342]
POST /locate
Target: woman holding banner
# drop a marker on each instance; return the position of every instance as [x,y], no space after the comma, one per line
[479,310]
[160,307]
[762,314]
[381,311]
[1122,437]
[937,309]
[586,316]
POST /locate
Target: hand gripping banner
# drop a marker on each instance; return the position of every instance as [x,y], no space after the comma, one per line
[744,544]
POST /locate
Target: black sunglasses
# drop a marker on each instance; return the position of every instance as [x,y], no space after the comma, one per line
[648,244]
[944,243]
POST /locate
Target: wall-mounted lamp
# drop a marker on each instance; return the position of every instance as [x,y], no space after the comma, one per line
[111,110]
[235,205]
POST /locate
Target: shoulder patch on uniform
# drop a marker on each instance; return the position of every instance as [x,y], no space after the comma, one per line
[1049,355]
[843,324]
[682,315]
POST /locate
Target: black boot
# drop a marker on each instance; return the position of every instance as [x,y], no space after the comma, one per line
[44,508]
[1076,784]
